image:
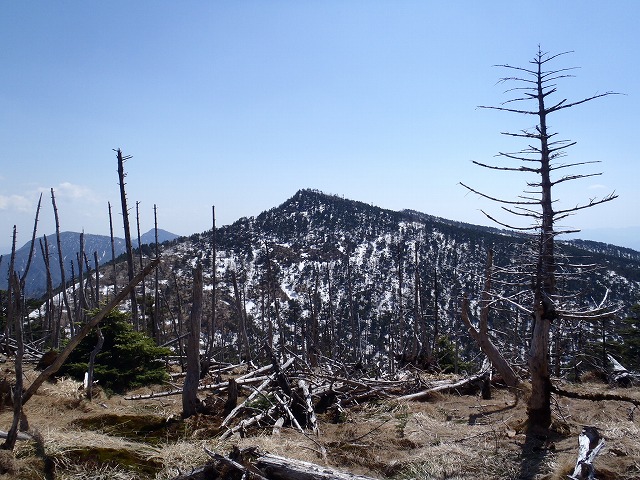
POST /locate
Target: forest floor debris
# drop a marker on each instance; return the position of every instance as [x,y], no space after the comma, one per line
[445,435]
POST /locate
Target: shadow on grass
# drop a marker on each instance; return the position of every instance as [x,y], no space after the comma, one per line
[538,445]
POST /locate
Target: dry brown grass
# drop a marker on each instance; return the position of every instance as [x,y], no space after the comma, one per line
[445,437]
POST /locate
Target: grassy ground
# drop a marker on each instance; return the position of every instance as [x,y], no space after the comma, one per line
[445,437]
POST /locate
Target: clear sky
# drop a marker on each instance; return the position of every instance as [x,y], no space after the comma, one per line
[239,104]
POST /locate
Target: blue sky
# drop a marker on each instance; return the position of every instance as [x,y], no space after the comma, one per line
[239,104]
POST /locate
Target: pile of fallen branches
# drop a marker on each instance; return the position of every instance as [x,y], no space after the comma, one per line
[289,392]
[252,464]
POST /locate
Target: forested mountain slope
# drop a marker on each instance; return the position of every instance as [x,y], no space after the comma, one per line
[333,276]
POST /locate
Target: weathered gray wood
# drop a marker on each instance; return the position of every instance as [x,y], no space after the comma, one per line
[443,387]
[281,468]
[619,375]
[312,421]
[190,402]
[590,445]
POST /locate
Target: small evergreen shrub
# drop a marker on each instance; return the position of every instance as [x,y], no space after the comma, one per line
[128,359]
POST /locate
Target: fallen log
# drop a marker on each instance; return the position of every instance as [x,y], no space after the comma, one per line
[444,387]
[280,468]
[596,397]
[212,386]
[249,473]
[21,435]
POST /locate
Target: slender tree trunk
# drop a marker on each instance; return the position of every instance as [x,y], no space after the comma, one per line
[214,273]
[481,335]
[190,402]
[63,281]
[127,236]
[92,361]
[23,279]
[113,252]
[144,293]
[244,338]
[52,327]
[12,435]
[96,266]
[156,292]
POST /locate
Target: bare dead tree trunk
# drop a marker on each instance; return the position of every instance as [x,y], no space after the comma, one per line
[144,293]
[63,281]
[127,236]
[52,327]
[96,266]
[113,252]
[179,321]
[156,292]
[10,293]
[537,205]
[190,402]
[18,313]
[214,273]
[92,361]
[242,319]
[481,335]
[23,279]
[81,288]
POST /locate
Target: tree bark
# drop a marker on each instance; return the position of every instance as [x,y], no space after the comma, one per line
[63,282]
[12,435]
[127,237]
[190,402]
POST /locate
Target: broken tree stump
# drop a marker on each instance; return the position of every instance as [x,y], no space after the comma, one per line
[590,445]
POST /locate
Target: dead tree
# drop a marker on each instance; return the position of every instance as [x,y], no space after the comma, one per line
[52,326]
[17,314]
[156,282]
[127,235]
[63,282]
[113,252]
[144,293]
[536,205]
[212,321]
[245,348]
[23,279]
[92,361]
[190,402]
[481,334]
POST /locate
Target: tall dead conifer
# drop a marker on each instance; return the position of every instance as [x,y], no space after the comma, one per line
[113,252]
[127,235]
[63,282]
[535,84]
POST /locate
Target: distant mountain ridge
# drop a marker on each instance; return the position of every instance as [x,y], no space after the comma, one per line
[35,285]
